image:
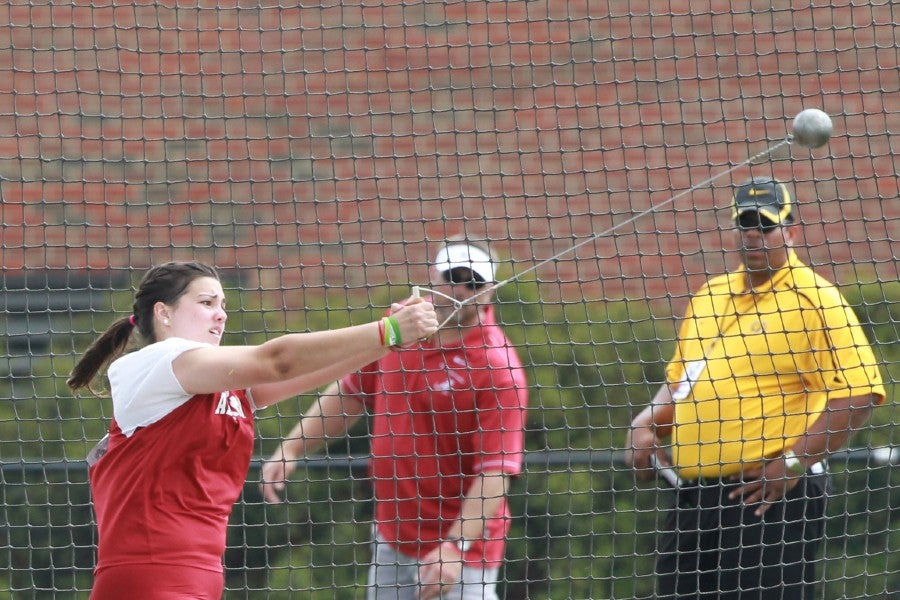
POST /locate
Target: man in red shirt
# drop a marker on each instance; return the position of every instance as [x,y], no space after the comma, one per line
[447,432]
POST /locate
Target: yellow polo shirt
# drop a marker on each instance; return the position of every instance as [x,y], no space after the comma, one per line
[754,369]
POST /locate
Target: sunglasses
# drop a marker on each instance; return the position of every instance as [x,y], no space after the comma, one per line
[462,276]
[754,220]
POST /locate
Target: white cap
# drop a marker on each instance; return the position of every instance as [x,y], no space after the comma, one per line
[469,257]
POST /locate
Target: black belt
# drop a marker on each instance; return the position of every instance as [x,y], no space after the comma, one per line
[670,475]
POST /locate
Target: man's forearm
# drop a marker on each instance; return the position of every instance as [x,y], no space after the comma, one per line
[296,444]
[832,430]
[482,502]
[329,418]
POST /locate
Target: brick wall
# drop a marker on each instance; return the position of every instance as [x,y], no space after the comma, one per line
[339,141]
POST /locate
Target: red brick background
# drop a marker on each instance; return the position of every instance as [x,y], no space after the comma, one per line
[331,144]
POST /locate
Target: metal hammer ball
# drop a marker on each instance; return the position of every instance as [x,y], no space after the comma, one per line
[812,128]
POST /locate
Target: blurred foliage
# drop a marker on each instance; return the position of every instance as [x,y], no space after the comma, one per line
[579,530]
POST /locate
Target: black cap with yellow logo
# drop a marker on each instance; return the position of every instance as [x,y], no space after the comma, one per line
[765,197]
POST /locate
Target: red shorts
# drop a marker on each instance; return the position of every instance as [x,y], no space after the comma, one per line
[157,582]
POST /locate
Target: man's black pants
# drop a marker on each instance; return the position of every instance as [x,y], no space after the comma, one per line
[716,548]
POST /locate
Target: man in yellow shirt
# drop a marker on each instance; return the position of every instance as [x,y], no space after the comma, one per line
[771,374]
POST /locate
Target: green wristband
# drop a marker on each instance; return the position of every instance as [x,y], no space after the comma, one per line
[392,335]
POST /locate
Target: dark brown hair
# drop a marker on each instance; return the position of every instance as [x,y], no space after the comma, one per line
[164,283]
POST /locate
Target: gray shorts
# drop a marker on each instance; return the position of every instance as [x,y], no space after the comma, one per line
[394,576]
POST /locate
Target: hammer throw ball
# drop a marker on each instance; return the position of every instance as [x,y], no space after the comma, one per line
[812,128]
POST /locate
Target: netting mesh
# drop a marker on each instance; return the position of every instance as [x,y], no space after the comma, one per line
[318,153]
